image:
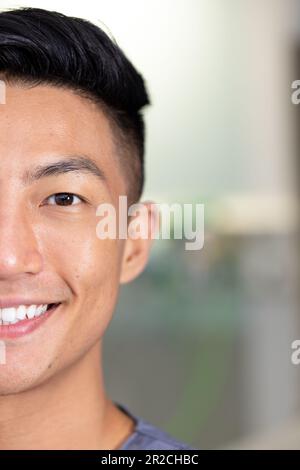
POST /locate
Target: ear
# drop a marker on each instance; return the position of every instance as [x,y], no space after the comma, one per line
[142,226]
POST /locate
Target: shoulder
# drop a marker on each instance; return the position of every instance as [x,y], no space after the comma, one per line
[146,436]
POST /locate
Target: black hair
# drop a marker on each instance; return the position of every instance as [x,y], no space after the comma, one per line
[39,46]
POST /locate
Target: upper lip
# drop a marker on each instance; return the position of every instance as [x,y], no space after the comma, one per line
[16,301]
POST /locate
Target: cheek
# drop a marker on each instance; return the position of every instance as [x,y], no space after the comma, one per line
[91,269]
[74,251]
[94,281]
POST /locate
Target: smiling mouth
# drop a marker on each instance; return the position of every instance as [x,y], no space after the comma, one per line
[18,314]
[21,320]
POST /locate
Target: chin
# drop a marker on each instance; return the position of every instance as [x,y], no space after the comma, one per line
[19,379]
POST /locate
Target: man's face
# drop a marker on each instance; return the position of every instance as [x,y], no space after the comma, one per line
[49,251]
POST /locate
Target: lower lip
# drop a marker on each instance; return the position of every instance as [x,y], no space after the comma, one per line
[24,327]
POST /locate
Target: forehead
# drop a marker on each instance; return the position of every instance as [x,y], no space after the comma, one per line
[45,120]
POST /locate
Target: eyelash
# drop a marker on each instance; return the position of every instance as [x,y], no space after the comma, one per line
[66,194]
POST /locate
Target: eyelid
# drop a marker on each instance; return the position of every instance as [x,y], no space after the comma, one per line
[82,199]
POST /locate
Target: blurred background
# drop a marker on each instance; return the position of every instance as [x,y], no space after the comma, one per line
[200,344]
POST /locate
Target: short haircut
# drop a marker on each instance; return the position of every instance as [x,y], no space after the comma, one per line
[46,47]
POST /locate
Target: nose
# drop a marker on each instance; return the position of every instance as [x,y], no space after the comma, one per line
[19,251]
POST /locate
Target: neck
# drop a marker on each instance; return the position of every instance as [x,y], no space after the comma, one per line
[69,411]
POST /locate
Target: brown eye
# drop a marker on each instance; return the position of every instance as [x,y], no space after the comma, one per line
[64,199]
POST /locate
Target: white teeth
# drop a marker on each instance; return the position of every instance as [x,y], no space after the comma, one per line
[11,315]
[8,314]
[39,311]
[21,312]
[31,311]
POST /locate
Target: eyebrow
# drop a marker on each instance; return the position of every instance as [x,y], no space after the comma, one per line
[76,163]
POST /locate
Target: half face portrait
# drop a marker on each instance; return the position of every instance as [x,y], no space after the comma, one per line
[72,146]
[59,162]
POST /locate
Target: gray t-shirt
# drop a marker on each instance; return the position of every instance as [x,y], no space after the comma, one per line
[148,437]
